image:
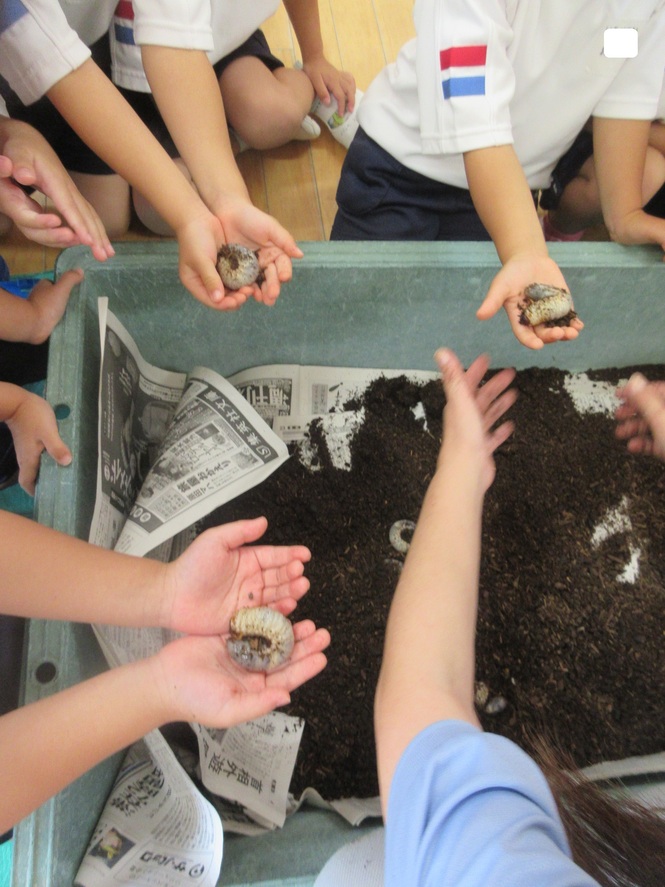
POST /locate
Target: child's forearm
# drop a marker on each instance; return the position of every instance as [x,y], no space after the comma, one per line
[46,745]
[657,136]
[427,672]
[504,202]
[619,148]
[103,119]
[186,90]
[49,575]
[304,16]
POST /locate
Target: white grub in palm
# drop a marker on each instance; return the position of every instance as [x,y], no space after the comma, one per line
[261,638]
[238,266]
[546,304]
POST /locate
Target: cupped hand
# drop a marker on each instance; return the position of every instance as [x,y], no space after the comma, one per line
[199,682]
[222,571]
[507,291]
[246,224]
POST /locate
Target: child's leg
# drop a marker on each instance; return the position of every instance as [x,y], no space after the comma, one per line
[579,207]
[109,196]
[266,108]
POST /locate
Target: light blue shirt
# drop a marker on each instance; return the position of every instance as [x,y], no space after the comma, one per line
[471,809]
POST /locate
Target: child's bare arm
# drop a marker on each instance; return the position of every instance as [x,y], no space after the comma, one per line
[191,679]
[186,90]
[428,666]
[326,78]
[620,148]
[502,198]
[94,108]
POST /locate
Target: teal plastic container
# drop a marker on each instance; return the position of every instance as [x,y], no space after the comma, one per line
[386,305]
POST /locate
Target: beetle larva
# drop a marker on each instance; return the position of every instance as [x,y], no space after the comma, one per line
[544,303]
[261,638]
[396,535]
[238,266]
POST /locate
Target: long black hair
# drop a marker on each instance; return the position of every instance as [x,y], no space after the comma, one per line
[615,838]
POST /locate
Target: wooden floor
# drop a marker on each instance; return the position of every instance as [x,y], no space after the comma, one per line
[296,184]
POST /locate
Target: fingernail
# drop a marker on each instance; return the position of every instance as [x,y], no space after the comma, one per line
[637,382]
[442,357]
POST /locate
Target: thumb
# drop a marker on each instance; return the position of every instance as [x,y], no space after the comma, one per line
[248,706]
[281,238]
[243,532]
[56,447]
[452,372]
[496,296]
[70,279]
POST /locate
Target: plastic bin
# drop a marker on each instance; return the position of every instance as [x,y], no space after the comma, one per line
[373,305]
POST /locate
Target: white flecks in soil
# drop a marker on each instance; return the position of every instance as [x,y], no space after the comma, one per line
[339,430]
[590,396]
[631,571]
[419,413]
[617,520]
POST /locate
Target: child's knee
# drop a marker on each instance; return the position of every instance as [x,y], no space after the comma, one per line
[109,197]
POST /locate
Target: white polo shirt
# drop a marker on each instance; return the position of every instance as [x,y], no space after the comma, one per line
[41,41]
[523,72]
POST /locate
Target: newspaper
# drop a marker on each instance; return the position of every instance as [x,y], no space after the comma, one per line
[173,447]
[156,829]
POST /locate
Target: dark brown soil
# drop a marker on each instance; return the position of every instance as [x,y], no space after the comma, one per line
[570,647]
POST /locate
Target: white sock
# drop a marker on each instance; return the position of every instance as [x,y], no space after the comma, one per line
[309,129]
[242,145]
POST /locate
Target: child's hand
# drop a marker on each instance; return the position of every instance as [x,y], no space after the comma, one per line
[641,416]
[507,290]
[27,159]
[199,682]
[199,240]
[221,572]
[326,79]
[34,428]
[246,224]
[473,409]
[48,302]
[639,227]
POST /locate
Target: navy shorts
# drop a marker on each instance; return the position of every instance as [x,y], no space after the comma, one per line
[74,154]
[378,198]
[567,167]
[255,46]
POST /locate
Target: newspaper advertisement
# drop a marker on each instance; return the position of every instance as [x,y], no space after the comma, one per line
[171,446]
